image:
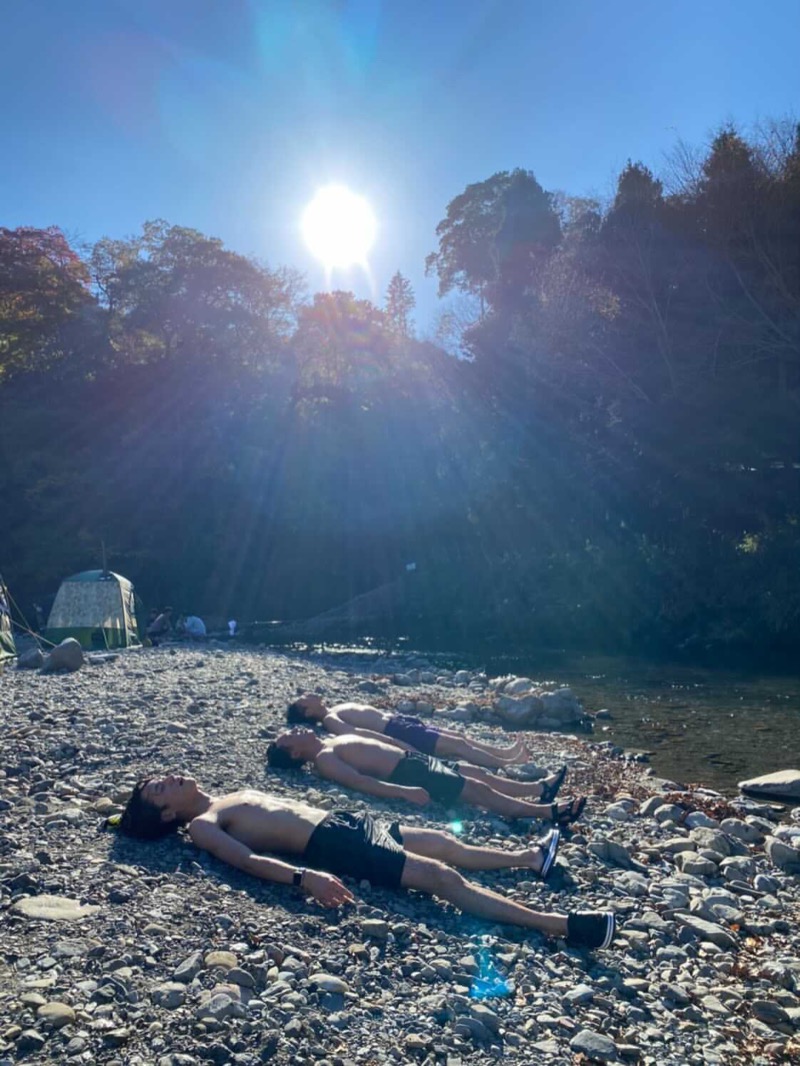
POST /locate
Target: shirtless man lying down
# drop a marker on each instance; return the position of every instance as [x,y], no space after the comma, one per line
[380,769]
[321,846]
[367,721]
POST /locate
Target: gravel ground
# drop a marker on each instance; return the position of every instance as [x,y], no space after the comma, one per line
[118,952]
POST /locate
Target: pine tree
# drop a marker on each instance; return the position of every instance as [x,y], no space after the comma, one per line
[400,302]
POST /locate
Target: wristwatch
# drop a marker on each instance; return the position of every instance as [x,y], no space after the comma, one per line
[297,877]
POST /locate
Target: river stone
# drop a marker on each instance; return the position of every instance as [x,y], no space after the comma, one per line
[66,656]
[595,1046]
[700,820]
[770,1013]
[618,812]
[29,1041]
[632,883]
[695,865]
[520,711]
[783,783]
[678,844]
[53,908]
[765,883]
[668,812]
[615,854]
[782,856]
[326,982]
[30,660]
[56,1014]
[518,686]
[221,1006]
[744,831]
[187,970]
[713,839]
[738,867]
[650,806]
[225,960]
[170,995]
[579,994]
[486,1016]
[704,930]
[374,927]
[418,1042]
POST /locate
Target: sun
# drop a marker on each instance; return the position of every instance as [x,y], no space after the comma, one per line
[339,227]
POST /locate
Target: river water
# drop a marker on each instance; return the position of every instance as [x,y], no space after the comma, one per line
[709,727]
[699,726]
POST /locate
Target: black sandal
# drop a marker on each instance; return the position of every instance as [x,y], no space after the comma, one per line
[590,929]
[548,845]
[549,792]
[572,814]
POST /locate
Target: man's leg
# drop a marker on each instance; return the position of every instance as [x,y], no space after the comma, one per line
[517,789]
[434,844]
[431,876]
[456,746]
[481,795]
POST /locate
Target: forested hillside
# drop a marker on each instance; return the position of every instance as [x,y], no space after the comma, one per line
[608,456]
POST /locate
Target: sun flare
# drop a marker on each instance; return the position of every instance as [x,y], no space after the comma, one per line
[339,227]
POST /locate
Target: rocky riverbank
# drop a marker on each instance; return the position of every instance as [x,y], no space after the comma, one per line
[118,952]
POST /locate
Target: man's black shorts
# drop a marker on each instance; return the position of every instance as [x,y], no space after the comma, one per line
[357,845]
[440,781]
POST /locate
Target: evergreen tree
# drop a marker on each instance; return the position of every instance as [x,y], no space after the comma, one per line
[400,302]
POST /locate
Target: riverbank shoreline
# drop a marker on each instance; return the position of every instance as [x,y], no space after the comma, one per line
[704,969]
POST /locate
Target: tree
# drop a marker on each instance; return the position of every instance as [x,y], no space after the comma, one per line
[175,292]
[495,237]
[341,345]
[400,302]
[44,293]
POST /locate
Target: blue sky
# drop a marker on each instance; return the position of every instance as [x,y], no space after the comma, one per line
[226,115]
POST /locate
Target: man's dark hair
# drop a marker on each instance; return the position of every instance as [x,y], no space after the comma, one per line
[142,819]
[280,759]
[296,714]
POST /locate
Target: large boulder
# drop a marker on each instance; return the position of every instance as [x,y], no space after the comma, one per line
[66,656]
[520,712]
[783,783]
[543,710]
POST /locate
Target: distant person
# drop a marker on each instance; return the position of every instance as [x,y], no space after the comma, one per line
[240,827]
[194,627]
[379,769]
[161,627]
[232,624]
[406,731]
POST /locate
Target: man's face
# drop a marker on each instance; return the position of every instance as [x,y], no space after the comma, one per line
[311,704]
[296,742]
[170,793]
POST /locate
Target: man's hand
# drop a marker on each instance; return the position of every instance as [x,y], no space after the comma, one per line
[417,795]
[326,889]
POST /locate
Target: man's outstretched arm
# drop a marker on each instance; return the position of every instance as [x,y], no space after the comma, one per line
[331,766]
[207,834]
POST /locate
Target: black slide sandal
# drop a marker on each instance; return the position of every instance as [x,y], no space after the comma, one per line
[549,792]
[549,846]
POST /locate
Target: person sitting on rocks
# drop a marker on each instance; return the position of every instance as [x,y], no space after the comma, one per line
[240,827]
[380,769]
[161,627]
[406,731]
